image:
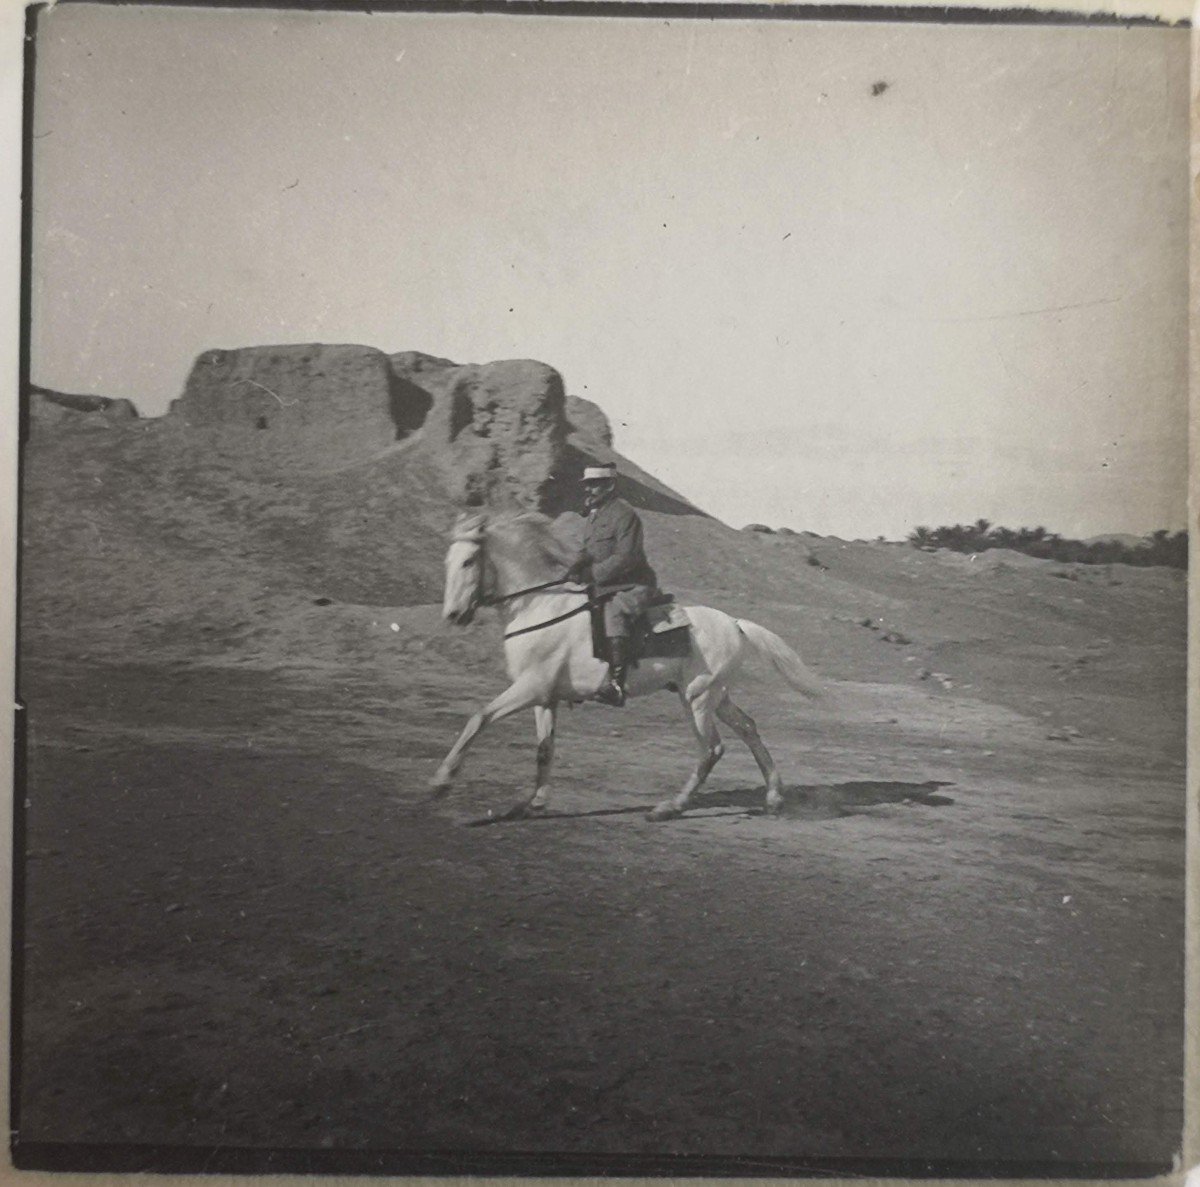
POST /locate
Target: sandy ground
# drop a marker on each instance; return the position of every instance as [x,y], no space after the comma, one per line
[245,925]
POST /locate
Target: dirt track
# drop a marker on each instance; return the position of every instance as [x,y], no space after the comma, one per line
[247,926]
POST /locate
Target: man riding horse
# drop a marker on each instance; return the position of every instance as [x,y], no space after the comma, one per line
[613,559]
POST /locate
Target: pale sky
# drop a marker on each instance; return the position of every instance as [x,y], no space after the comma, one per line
[799,302]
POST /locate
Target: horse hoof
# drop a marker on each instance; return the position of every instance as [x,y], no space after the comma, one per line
[524,811]
[774,807]
[665,812]
[438,789]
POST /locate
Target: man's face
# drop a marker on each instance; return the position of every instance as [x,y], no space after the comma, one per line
[597,492]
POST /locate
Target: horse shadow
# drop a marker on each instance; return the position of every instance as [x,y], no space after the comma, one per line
[830,801]
[517,816]
[827,801]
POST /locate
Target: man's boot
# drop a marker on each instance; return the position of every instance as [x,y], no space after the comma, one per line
[613,693]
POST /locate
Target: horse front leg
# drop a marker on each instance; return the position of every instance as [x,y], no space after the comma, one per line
[544,719]
[517,696]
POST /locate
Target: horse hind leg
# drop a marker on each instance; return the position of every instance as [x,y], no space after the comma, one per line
[743,725]
[698,704]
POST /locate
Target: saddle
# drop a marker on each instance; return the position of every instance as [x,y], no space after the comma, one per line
[663,632]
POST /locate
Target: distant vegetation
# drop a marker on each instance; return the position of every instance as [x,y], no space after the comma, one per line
[1161,548]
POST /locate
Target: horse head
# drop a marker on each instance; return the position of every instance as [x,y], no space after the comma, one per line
[494,559]
[464,569]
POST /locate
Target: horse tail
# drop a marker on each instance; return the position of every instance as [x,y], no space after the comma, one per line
[785,661]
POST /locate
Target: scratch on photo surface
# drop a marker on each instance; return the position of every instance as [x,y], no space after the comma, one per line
[1008,370]
[282,402]
[1028,312]
[1112,86]
[345,1034]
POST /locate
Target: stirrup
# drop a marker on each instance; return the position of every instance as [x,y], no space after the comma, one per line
[611,694]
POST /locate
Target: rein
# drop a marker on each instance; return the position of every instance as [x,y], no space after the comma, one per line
[498,599]
[590,604]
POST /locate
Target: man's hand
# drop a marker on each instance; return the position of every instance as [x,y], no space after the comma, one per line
[581,570]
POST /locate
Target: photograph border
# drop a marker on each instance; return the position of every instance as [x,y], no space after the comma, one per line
[100,1162]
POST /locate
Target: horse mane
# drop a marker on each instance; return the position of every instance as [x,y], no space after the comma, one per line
[523,546]
[527,540]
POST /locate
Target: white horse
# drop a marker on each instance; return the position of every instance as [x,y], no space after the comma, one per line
[516,562]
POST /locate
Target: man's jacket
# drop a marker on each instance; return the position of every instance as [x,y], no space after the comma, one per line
[612,539]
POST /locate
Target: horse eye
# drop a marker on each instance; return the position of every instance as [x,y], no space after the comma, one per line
[468,562]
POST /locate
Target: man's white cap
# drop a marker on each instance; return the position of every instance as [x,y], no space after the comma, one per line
[599,473]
